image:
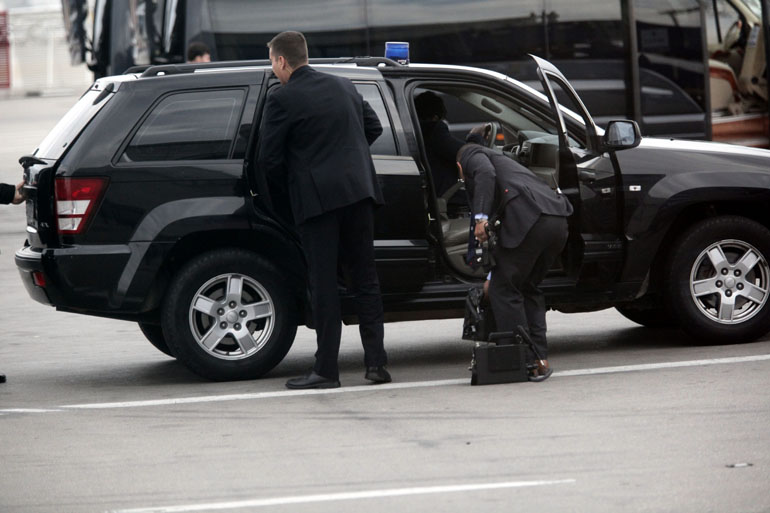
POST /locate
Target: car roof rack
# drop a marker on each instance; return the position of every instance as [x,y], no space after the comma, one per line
[137,69]
[192,67]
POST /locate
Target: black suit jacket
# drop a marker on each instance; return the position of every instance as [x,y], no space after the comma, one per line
[315,139]
[493,179]
[7,192]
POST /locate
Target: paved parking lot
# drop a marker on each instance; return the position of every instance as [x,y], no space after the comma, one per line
[93,418]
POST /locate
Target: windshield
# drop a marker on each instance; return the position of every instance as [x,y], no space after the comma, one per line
[65,131]
[755,7]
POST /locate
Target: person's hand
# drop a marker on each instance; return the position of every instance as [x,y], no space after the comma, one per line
[480,232]
[19,195]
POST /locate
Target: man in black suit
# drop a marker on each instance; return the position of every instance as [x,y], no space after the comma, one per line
[532,234]
[10,194]
[315,139]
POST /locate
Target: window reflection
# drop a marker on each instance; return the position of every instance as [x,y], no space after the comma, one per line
[241,29]
[385,143]
[671,67]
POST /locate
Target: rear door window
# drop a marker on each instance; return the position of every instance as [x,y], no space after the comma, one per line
[385,143]
[193,125]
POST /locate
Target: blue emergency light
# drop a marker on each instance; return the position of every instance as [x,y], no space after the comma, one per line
[398,51]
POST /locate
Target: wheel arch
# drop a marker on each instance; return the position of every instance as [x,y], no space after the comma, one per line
[224,337]
[688,217]
[708,310]
[270,244]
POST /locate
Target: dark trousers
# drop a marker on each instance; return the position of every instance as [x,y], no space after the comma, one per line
[513,291]
[343,237]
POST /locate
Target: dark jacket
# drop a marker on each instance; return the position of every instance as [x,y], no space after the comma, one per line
[7,192]
[441,148]
[493,179]
[315,138]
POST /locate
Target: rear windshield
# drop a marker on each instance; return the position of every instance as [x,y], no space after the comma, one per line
[68,127]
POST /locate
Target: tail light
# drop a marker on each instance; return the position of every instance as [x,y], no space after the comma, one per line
[76,199]
[38,278]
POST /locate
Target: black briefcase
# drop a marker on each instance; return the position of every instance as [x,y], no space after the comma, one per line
[493,364]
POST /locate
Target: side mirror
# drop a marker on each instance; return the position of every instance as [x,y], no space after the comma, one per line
[621,134]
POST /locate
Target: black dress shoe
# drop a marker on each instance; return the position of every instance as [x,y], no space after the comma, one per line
[312,380]
[2,378]
[378,374]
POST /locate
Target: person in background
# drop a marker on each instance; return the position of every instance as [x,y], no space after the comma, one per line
[314,142]
[198,52]
[10,194]
[440,146]
[532,234]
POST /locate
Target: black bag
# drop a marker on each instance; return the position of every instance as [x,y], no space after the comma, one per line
[479,321]
[491,363]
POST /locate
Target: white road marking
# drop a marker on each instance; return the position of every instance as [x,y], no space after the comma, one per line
[268,395]
[346,496]
[29,410]
[663,365]
[379,388]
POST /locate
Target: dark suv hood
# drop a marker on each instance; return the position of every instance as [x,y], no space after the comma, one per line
[674,157]
[704,148]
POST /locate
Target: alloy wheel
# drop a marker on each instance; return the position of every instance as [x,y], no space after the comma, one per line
[232,316]
[729,281]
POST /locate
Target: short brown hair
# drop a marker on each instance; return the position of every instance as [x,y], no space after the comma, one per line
[290,45]
[196,49]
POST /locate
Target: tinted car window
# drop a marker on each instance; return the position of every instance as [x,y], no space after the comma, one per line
[188,126]
[566,99]
[385,144]
[72,124]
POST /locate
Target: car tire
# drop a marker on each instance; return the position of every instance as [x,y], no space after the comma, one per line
[228,315]
[154,333]
[718,280]
[648,317]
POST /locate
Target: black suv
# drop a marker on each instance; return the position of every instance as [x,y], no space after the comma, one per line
[145,204]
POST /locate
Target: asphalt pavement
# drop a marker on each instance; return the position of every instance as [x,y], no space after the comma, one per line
[93,418]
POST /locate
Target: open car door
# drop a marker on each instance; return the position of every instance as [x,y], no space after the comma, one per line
[590,177]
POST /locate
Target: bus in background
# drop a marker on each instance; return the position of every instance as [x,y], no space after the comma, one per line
[647,60]
[737,72]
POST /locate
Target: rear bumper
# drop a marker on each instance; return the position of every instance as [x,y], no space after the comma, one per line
[98,280]
[28,261]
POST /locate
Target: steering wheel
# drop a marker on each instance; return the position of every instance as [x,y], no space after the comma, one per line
[733,35]
[491,136]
